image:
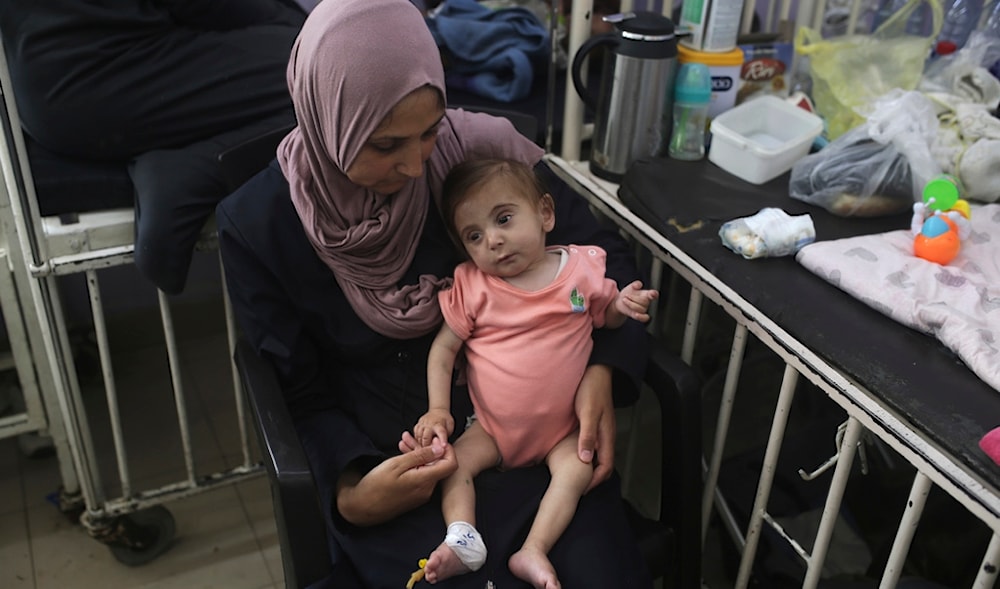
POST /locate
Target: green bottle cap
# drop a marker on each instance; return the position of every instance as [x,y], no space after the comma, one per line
[944,190]
[693,84]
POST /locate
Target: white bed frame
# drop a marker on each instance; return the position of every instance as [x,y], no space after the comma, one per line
[36,251]
[864,415]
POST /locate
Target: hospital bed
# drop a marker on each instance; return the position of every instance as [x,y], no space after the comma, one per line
[895,387]
[61,220]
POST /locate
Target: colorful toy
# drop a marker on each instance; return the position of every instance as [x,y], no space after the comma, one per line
[940,221]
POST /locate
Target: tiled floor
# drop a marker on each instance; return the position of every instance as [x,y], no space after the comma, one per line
[225,536]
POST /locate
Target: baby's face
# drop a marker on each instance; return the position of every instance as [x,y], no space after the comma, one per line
[502,229]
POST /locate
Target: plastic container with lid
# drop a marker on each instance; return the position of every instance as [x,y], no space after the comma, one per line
[724,68]
[692,96]
[761,139]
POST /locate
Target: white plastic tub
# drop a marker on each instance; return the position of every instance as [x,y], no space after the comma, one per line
[761,139]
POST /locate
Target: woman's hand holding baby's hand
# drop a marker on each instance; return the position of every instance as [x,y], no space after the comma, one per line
[634,302]
[436,423]
[396,485]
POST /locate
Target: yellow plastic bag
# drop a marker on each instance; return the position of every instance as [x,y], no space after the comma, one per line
[850,72]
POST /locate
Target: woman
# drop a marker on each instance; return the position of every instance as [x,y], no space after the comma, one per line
[334,255]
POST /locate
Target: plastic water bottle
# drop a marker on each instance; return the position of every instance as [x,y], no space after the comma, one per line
[883,10]
[918,23]
[961,18]
[992,24]
[991,28]
[692,94]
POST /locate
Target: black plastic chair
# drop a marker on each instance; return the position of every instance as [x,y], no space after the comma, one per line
[670,544]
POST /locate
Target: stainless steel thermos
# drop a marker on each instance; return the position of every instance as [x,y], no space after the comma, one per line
[633,108]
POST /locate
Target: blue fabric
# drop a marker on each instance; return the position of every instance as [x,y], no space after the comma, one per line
[489,52]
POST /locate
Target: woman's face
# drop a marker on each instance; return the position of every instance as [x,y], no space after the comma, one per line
[396,151]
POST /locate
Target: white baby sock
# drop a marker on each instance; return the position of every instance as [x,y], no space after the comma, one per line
[467,543]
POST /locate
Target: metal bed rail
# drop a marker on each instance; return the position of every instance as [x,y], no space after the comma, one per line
[36,410]
[864,413]
[38,251]
[27,413]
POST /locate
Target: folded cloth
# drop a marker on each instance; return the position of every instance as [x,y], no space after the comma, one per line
[991,444]
[770,233]
[489,52]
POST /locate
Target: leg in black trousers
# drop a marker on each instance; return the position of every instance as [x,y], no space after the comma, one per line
[110,82]
[176,191]
[161,86]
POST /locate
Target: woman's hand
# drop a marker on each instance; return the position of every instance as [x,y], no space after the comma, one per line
[395,486]
[596,411]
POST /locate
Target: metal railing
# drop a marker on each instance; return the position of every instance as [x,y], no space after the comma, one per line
[864,418]
[38,251]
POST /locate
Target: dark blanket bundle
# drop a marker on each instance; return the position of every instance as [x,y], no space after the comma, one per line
[488,52]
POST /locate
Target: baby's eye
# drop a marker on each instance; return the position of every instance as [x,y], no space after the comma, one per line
[473,237]
[504,219]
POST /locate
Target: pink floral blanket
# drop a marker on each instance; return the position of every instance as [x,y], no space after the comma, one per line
[958,303]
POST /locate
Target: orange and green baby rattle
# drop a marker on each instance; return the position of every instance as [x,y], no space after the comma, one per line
[940,221]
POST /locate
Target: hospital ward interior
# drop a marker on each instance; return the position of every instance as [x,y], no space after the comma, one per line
[813,187]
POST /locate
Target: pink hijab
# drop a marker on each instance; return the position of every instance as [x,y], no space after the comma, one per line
[353,61]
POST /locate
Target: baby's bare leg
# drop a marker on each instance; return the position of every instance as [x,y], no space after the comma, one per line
[475,451]
[569,480]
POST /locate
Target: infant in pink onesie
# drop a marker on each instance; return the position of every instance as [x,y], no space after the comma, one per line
[523,313]
[527,350]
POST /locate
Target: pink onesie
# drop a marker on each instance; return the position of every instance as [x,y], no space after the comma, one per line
[527,351]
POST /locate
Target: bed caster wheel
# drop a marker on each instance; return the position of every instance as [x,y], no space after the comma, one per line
[71,505]
[137,538]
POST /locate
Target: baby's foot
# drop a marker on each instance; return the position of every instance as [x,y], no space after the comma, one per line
[533,566]
[442,564]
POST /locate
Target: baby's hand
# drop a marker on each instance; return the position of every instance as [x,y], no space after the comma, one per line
[634,302]
[435,423]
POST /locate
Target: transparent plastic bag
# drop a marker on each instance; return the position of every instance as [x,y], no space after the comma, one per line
[854,176]
[770,233]
[850,72]
[877,168]
[964,72]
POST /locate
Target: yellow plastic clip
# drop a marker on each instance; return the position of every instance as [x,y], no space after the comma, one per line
[417,574]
